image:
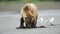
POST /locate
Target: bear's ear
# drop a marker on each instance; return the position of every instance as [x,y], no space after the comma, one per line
[25,8]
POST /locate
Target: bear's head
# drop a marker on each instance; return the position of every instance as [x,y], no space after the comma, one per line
[27,8]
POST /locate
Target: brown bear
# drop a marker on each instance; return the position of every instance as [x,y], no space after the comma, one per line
[28,15]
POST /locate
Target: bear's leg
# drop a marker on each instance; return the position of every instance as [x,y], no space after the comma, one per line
[22,22]
[33,24]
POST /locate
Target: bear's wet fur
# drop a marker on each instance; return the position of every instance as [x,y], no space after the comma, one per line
[28,16]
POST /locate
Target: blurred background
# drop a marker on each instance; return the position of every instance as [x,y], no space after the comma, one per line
[48,13]
[16,5]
